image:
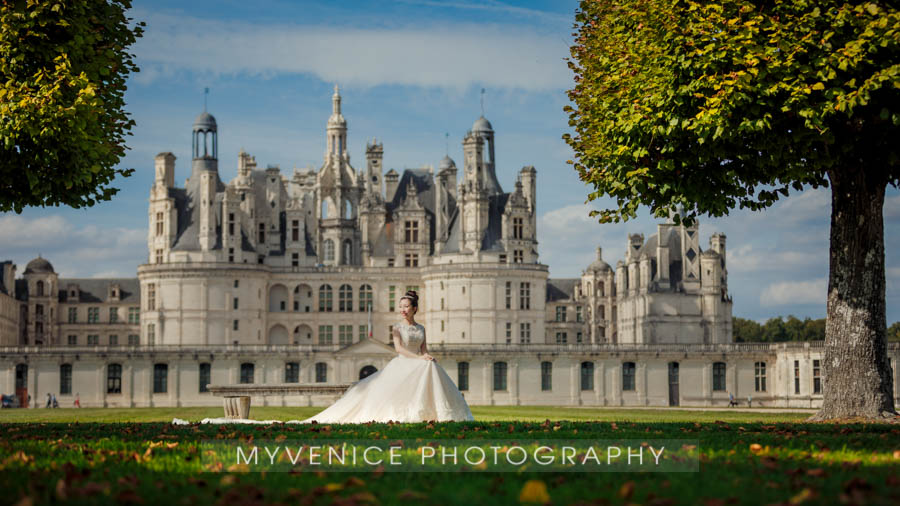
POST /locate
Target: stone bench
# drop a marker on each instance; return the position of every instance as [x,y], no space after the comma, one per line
[237,397]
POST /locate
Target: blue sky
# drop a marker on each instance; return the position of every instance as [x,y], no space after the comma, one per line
[410,72]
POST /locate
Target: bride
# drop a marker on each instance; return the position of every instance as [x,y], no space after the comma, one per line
[412,387]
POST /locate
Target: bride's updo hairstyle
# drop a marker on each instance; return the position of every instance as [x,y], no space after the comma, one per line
[413,299]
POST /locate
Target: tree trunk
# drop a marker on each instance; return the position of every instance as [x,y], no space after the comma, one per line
[857,375]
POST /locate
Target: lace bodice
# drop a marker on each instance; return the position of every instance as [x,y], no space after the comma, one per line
[413,336]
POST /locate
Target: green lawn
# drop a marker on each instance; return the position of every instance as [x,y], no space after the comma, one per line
[117,455]
[486,413]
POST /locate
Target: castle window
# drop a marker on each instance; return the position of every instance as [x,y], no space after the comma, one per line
[628,370]
[759,373]
[817,377]
[525,333]
[365,297]
[262,233]
[113,315]
[134,340]
[561,337]
[134,315]
[587,375]
[205,377]
[151,297]
[295,230]
[509,295]
[246,373]
[412,260]
[560,313]
[517,256]
[524,295]
[579,314]
[40,288]
[230,223]
[235,303]
[295,259]
[411,231]
[329,250]
[462,376]
[508,332]
[719,377]
[391,298]
[345,299]
[159,256]
[73,315]
[601,312]
[345,335]
[93,314]
[93,340]
[325,335]
[151,334]
[499,376]
[796,376]
[326,298]
[390,262]
[159,224]
[601,290]
[160,378]
[292,372]
[321,372]
[578,337]
[65,379]
[72,340]
[113,340]
[546,376]
[517,228]
[231,255]
[114,379]
[502,259]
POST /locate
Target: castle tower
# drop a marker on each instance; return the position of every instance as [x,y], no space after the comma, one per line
[162,211]
[374,161]
[482,129]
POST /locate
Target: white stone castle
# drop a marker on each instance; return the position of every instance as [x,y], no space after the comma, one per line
[282,279]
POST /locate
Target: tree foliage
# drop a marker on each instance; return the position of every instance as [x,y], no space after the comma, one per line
[777,330]
[63,67]
[717,105]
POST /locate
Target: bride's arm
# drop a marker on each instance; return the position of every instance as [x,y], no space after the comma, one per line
[398,345]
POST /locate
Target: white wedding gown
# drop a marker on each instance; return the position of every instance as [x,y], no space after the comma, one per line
[406,390]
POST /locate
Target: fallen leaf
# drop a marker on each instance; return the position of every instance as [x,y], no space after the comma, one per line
[534,491]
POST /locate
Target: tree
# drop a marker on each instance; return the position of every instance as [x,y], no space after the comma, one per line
[63,67]
[703,107]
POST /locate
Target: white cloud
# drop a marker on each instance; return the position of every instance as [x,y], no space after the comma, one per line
[445,56]
[746,258]
[74,250]
[492,5]
[794,292]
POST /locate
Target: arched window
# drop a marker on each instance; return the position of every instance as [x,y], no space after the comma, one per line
[160,378]
[65,379]
[345,299]
[365,298]
[114,379]
[587,375]
[329,250]
[719,377]
[326,298]
[546,376]
[499,375]
[462,376]
[40,288]
[628,376]
[348,210]
[246,373]
[367,371]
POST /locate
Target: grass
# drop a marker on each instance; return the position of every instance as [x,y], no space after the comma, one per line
[93,456]
[486,413]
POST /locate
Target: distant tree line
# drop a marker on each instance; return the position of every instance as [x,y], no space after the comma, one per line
[779,329]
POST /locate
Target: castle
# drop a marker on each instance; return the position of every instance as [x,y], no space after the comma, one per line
[276,278]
